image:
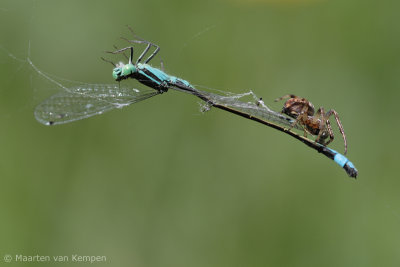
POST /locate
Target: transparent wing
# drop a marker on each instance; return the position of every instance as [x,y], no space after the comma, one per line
[233,101]
[253,109]
[84,101]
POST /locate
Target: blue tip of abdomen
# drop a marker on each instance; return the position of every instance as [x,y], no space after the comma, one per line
[340,159]
[345,163]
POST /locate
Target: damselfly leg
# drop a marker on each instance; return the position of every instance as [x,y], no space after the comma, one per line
[125,56]
[122,50]
[108,61]
[119,51]
[146,50]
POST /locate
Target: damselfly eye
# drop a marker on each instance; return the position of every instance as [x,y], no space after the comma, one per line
[117,73]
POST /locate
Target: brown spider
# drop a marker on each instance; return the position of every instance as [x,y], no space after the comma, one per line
[303,111]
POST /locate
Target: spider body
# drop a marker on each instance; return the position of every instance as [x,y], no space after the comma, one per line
[318,123]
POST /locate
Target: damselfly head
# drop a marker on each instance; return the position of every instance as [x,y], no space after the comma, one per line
[123,71]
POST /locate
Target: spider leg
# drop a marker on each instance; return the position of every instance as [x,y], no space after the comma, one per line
[122,50]
[320,116]
[330,131]
[333,112]
[324,126]
[300,118]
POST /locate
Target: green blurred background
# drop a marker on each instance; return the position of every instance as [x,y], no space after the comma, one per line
[159,183]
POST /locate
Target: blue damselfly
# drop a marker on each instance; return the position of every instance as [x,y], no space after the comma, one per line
[93,99]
